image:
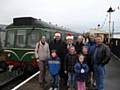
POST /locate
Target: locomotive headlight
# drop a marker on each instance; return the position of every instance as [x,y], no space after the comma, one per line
[9,55]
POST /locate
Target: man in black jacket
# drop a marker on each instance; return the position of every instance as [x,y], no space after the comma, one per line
[79,44]
[58,45]
[100,58]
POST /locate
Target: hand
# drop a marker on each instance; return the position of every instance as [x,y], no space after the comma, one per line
[37,60]
[65,72]
[82,70]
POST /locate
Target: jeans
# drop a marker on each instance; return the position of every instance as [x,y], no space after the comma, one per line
[71,80]
[99,71]
[55,81]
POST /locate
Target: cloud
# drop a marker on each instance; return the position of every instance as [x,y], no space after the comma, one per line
[74,14]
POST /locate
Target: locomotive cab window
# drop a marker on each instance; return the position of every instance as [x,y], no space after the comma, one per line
[10,39]
[20,38]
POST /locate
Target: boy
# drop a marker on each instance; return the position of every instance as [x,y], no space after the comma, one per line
[54,68]
[70,60]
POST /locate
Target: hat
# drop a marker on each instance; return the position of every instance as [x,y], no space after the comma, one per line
[57,34]
[69,36]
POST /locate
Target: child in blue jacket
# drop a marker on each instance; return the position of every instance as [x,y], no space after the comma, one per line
[81,70]
[54,68]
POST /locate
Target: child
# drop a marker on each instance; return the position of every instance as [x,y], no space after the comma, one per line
[54,68]
[89,62]
[70,60]
[81,70]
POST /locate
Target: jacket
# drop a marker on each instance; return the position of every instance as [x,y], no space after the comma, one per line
[77,68]
[102,54]
[70,61]
[42,52]
[91,48]
[59,47]
[54,65]
[78,47]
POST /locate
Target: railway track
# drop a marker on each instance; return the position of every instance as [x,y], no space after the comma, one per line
[8,80]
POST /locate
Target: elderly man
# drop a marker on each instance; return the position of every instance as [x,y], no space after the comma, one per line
[42,53]
[58,45]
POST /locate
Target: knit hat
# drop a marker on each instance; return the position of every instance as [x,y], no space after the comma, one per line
[57,34]
[69,35]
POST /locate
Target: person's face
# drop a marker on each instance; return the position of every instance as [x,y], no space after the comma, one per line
[69,41]
[53,54]
[92,38]
[81,58]
[85,50]
[72,49]
[98,40]
[57,38]
[43,40]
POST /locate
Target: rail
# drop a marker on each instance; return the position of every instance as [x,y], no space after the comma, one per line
[25,81]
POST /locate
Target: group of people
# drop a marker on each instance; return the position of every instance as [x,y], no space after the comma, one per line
[76,64]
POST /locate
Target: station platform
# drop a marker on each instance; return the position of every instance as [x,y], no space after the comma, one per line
[112,79]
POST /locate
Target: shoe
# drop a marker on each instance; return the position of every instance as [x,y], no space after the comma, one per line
[51,88]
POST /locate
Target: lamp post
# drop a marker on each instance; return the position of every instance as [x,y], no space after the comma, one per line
[110,10]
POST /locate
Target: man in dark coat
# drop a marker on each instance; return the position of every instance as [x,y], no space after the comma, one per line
[79,44]
[58,45]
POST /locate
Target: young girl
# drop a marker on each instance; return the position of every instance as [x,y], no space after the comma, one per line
[54,68]
[81,70]
[88,60]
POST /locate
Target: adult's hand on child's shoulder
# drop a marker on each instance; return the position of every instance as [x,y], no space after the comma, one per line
[65,72]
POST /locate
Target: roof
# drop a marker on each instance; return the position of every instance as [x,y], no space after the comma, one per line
[97,31]
[32,22]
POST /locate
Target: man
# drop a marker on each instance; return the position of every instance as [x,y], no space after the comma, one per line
[79,44]
[101,58]
[91,48]
[42,53]
[58,45]
[91,43]
[69,41]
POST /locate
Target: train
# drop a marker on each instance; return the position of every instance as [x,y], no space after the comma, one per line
[21,38]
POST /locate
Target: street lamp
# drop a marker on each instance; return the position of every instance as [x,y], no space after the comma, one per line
[110,10]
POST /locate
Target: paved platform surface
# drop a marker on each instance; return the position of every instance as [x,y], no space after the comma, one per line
[112,78]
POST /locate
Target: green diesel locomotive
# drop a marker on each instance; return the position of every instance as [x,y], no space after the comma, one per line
[21,38]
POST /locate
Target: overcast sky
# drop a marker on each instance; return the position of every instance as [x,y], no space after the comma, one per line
[77,15]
